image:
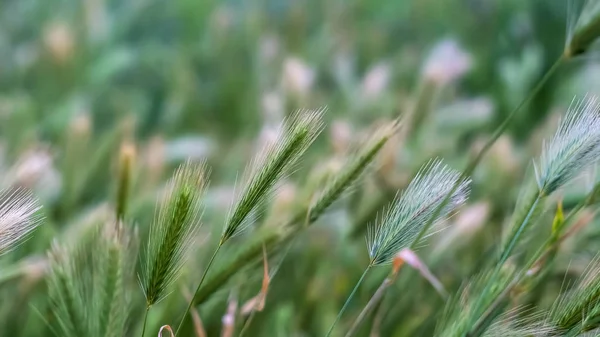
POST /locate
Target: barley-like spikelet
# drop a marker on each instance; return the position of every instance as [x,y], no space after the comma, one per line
[296,135]
[68,285]
[584,30]
[18,218]
[87,283]
[353,169]
[113,270]
[574,147]
[414,207]
[173,230]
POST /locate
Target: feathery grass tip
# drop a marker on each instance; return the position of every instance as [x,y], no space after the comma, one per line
[574,147]
[414,207]
[296,135]
[173,230]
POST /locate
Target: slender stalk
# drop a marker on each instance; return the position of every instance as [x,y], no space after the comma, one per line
[497,133]
[339,315]
[189,307]
[145,320]
[374,301]
[513,241]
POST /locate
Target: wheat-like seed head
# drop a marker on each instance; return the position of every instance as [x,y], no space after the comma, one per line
[414,207]
[87,282]
[574,147]
[271,164]
[18,218]
[173,231]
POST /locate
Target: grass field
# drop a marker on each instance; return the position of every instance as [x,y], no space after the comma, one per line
[299,168]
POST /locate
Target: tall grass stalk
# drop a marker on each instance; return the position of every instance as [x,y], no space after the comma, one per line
[410,211]
[296,136]
[172,233]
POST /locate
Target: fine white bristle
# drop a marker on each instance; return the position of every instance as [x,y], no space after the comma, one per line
[414,208]
[574,147]
[18,218]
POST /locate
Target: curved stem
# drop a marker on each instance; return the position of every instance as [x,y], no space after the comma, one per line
[497,133]
[339,315]
[189,307]
[145,320]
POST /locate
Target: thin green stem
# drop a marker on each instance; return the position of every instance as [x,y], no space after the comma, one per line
[145,320]
[497,133]
[373,302]
[339,315]
[513,241]
[189,307]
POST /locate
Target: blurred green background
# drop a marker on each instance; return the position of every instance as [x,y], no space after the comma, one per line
[204,79]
